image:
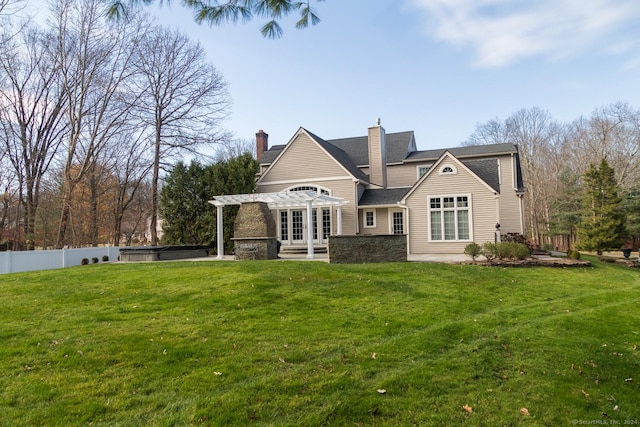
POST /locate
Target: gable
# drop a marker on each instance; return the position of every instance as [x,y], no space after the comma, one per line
[304,159]
[466,177]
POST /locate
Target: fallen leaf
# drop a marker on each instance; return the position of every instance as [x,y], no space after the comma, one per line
[524,411]
[616,408]
[628,380]
[373,355]
[217,373]
[381,391]
[468,408]
[585,393]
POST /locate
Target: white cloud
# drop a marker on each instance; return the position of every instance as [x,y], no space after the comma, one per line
[503,31]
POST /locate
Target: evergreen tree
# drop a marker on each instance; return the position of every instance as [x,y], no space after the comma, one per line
[219,12]
[236,175]
[188,217]
[631,205]
[601,225]
[184,210]
[566,207]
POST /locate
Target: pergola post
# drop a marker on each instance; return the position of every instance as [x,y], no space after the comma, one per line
[220,231]
[339,215]
[310,253]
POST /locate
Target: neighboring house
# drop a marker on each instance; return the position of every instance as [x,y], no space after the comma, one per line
[441,199]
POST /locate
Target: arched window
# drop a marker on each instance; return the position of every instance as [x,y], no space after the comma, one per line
[448,170]
[310,188]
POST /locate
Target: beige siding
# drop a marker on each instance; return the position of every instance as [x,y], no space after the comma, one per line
[402,175]
[303,159]
[510,203]
[382,221]
[483,211]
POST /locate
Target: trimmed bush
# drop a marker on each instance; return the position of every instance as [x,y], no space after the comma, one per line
[473,250]
[489,251]
[573,254]
[94,260]
[513,250]
[105,258]
[84,261]
[505,250]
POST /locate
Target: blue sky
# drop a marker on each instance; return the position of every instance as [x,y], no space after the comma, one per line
[437,67]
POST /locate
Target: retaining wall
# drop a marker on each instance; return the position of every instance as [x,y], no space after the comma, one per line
[367,249]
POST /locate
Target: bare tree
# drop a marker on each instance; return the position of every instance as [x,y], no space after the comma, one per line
[183,101]
[234,148]
[130,170]
[532,131]
[31,111]
[613,133]
[94,61]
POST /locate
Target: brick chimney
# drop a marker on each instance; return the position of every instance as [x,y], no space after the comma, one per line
[377,155]
[262,144]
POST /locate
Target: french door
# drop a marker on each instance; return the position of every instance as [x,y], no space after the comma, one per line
[293,225]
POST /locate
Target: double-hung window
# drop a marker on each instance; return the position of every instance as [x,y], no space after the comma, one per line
[449,217]
[369,219]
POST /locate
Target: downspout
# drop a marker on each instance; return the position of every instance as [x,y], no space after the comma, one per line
[356,206]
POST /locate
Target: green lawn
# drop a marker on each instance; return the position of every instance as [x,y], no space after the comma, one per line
[308,343]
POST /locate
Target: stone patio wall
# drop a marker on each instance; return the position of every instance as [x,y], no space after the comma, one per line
[367,249]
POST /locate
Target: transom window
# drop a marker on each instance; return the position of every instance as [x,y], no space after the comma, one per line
[449,217]
[310,187]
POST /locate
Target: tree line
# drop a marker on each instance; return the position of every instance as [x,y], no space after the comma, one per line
[566,165]
[92,111]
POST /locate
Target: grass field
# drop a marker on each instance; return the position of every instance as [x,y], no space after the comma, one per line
[288,343]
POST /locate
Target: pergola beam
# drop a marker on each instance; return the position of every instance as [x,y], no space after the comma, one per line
[283,200]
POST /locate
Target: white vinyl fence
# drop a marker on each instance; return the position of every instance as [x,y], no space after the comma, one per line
[17,261]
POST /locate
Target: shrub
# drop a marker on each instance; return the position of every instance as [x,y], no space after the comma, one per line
[488,251]
[94,260]
[517,251]
[573,254]
[84,261]
[105,258]
[516,238]
[473,250]
[505,250]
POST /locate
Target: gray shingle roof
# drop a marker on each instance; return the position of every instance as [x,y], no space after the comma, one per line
[381,197]
[486,170]
[358,147]
[354,152]
[461,152]
[340,156]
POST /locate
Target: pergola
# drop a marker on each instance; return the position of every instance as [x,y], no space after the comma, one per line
[283,200]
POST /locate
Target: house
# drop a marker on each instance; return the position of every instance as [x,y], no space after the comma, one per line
[382,184]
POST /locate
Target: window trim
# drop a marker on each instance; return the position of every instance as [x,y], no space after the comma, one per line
[310,187]
[454,170]
[455,209]
[364,218]
[401,212]
[427,167]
